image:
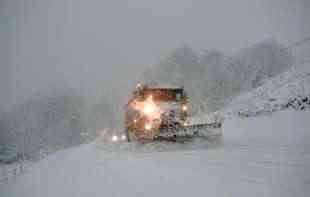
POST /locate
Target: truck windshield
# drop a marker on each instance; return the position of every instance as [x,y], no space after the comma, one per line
[162,95]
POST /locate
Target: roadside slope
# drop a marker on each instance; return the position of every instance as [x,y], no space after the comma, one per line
[274,94]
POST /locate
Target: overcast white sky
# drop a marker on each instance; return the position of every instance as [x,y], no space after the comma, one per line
[96,43]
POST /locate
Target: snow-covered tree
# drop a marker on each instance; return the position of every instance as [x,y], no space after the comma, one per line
[212,78]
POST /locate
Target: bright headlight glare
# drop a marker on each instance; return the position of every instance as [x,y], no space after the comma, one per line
[149,109]
[148,126]
[184,107]
[123,137]
[114,138]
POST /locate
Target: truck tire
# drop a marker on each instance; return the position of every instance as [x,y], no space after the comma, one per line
[130,136]
[127,135]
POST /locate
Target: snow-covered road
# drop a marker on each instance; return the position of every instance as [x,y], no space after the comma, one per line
[259,156]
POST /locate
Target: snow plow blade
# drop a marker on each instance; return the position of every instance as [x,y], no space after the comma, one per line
[208,131]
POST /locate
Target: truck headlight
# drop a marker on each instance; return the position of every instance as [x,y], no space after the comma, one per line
[123,137]
[148,126]
[184,107]
[114,138]
[149,109]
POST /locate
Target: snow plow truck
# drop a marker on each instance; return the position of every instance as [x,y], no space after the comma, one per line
[155,113]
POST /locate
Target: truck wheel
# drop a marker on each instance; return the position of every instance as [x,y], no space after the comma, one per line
[130,136]
[127,135]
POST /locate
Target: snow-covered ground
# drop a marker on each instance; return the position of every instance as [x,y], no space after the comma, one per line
[259,156]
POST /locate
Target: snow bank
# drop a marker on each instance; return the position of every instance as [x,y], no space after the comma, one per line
[261,156]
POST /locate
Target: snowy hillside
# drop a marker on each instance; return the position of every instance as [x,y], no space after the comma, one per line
[261,156]
[290,89]
[274,94]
